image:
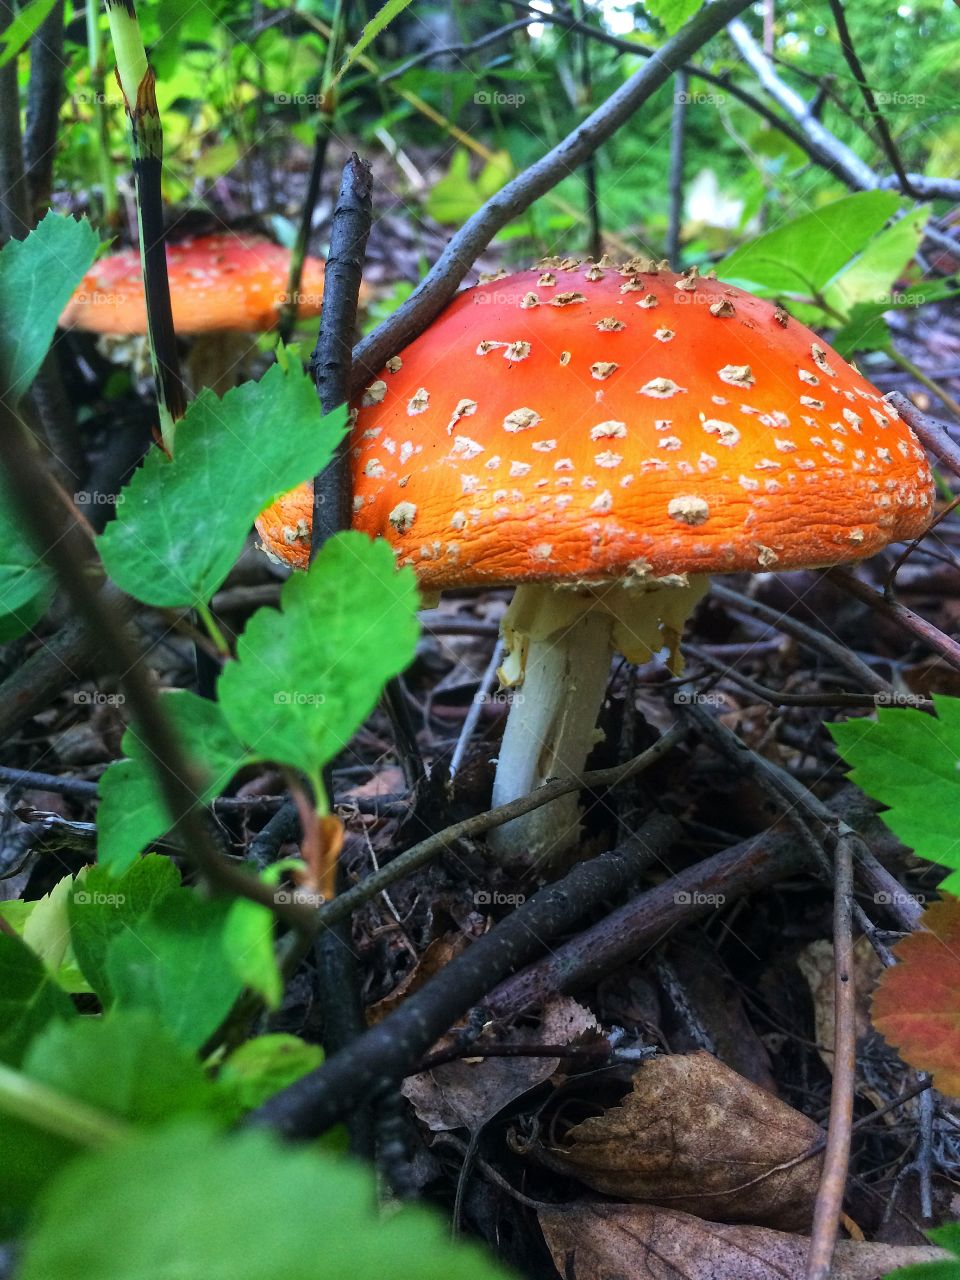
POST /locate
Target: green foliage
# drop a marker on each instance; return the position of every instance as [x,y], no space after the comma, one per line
[457,196]
[132,810]
[176,963]
[183,520]
[37,278]
[265,1065]
[22,27]
[242,1206]
[305,678]
[947,1237]
[29,998]
[910,762]
[672,13]
[803,257]
[380,20]
[26,585]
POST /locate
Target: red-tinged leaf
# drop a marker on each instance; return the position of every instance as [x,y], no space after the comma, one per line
[917,1005]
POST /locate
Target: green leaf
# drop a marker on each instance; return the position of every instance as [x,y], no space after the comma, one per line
[29,998]
[867,330]
[263,1066]
[46,931]
[22,28]
[26,584]
[305,678]
[184,520]
[249,939]
[672,13]
[802,257]
[124,1065]
[910,762]
[947,1237]
[37,278]
[191,1202]
[871,275]
[132,811]
[104,906]
[175,964]
[381,19]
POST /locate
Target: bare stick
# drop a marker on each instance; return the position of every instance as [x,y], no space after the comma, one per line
[332,496]
[443,280]
[833,1180]
[883,131]
[931,432]
[904,618]
[678,129]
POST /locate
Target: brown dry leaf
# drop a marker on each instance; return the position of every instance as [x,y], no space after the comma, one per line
[439,953]
[815,962]
[701,1137]
[611,1241]
[388,781]
[466,1095]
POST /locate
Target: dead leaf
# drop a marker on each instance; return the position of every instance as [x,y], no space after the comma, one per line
[815,962]
[917,1005]
[466,1095]
[612,1241]
[439,953]
[701,1137]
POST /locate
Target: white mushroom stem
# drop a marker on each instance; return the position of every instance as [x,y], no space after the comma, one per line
[559,642]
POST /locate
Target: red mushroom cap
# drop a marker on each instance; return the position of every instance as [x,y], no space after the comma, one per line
[220,282]
[585,423]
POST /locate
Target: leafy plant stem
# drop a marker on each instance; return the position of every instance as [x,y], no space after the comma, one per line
[138,85]
[213,629]
[109,203]
[55,1112]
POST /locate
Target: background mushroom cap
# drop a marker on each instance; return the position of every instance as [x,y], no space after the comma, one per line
[220,282]
[586,423]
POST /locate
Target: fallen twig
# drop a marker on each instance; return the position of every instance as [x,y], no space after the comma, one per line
[829,1202]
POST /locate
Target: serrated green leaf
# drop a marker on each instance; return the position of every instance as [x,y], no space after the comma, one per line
[29,998]
[384,15]
[263,1066]
[103,906]
[184,520]
[672,13]
[175,964]
[132,810]
[37,278]
[305,678]
[910,762]
[192,1202]
[803,256]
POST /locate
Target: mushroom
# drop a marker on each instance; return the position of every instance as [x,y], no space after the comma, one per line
[222,286]
[602,439]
